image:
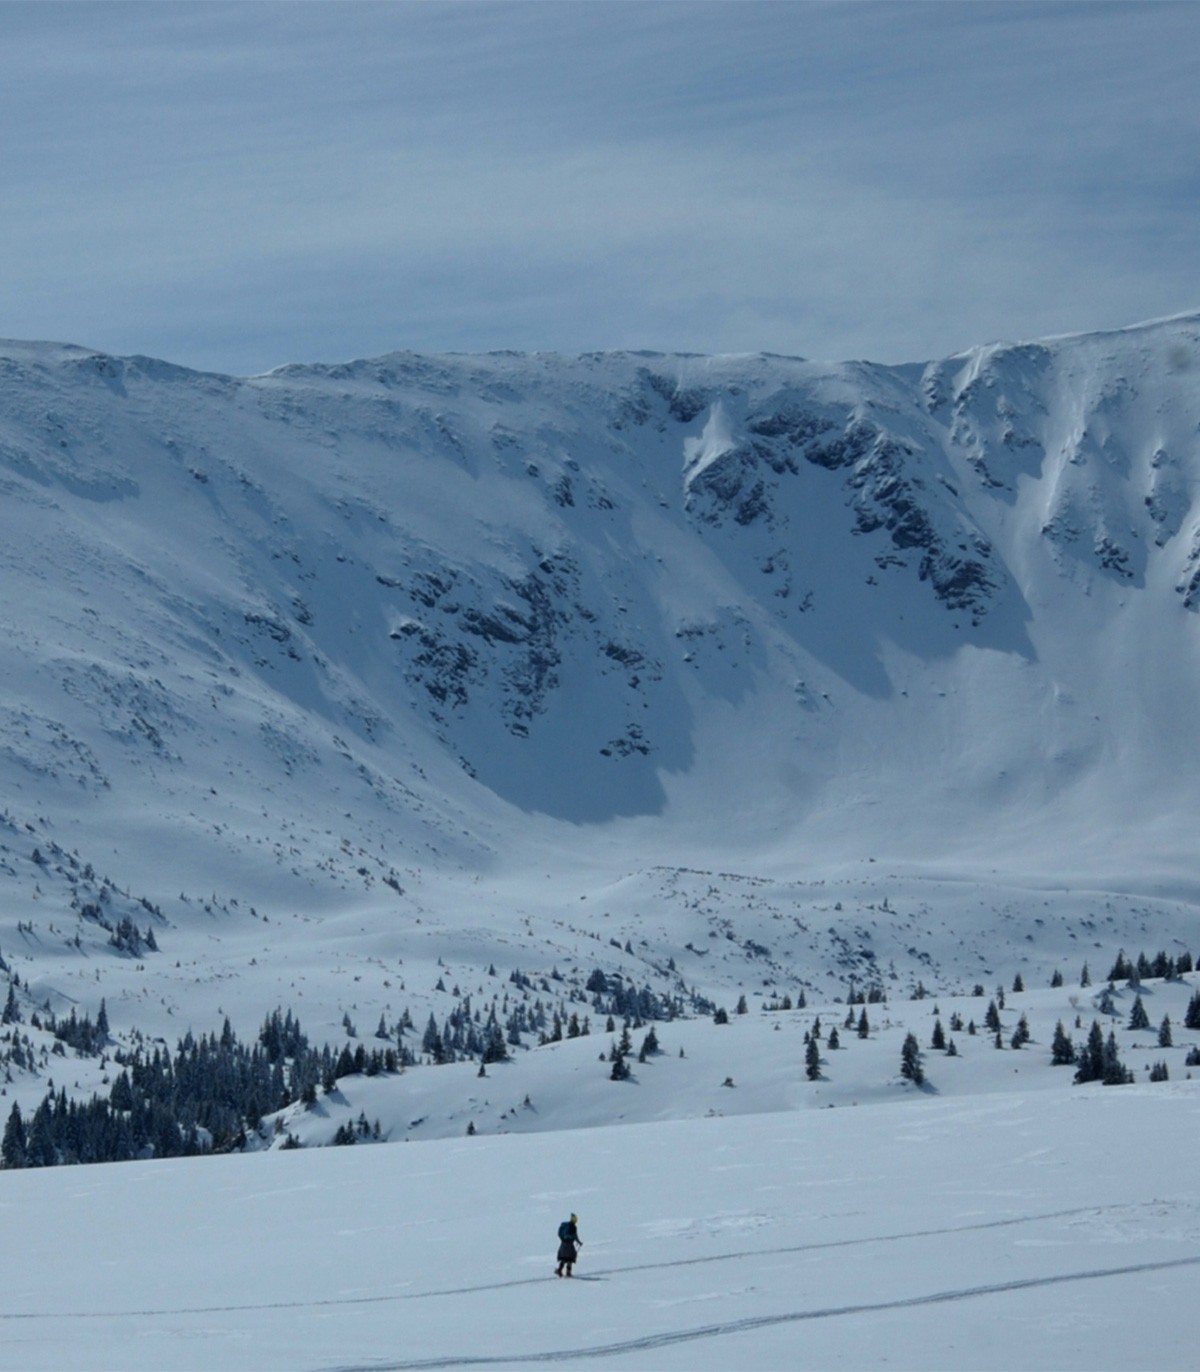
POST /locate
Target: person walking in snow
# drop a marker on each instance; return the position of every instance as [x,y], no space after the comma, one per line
[569,1244]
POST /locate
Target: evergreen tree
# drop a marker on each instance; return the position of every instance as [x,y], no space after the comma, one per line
[812,1060]
[1021,1034]
[494,1047]
[864,1029]
[1165,1037]
[1138,1018]
[1191,1018]
[938,1038]
[12,1146]
[620,1067]
[1091,1059]
[39,1149]
[1062,1050]
[121,1095]
[992,1018]
[833,1041]
[1114,1073]
[910,1061]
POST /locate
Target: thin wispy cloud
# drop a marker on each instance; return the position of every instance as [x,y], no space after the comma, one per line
[235,186]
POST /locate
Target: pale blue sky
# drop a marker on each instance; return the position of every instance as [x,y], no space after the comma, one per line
[239,185]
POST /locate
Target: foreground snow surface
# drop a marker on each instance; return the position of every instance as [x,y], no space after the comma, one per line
[1048,1230]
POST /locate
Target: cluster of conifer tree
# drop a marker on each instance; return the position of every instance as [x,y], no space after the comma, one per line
[1161,965]
[612,995]
[201,1099]
[1100,1060]
[213,1090]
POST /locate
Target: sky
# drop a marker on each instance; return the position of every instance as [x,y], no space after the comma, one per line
[237,186]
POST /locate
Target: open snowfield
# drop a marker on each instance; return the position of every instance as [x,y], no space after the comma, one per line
[1056,1230]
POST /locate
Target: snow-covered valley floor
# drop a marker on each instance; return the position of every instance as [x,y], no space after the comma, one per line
[1047,1229]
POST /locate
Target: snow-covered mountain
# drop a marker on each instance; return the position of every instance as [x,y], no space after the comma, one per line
[518,690]
[749,670]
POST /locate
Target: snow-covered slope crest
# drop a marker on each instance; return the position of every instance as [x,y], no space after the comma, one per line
[339,634]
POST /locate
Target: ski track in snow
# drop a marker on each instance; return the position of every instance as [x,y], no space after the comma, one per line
[708,1331]
[607,1272]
